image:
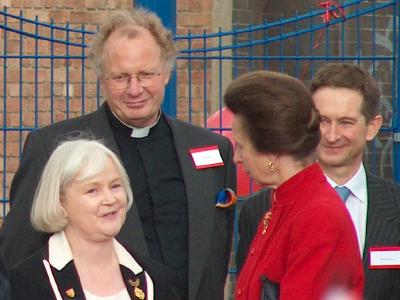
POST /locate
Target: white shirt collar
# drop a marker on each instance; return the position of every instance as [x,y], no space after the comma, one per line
[356,184]
[136,131]
[60,253]
[357,203]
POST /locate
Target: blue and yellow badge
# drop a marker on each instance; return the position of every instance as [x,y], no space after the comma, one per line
[225,198]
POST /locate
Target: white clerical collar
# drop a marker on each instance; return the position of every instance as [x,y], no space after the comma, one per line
[136,131]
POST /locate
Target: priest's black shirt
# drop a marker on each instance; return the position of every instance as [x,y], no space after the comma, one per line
[159,193]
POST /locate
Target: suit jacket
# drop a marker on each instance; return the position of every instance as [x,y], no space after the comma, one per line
[210,228]
[4,284]
[29,279]
[252,209]
[383,229]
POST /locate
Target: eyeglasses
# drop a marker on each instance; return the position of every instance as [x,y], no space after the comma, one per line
[121,82]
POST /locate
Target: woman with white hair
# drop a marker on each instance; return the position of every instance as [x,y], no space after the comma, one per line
[82,199]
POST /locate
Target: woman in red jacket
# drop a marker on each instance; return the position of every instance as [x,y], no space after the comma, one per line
[306,245]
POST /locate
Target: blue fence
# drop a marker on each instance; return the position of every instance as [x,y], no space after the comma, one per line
[361,32]
[45,77]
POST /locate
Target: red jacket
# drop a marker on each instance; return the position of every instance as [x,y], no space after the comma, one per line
[310,246]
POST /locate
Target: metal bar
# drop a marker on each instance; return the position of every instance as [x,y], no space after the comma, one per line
[220,82]
[281,49]
[39,37]
[305,16]
[30,21]
[265,47]
[83,73]
[358,35]
[205,81]
[287,57]
[52,76]
[190,79]
[312,41]
[250,51]
[4,179]
[67,98]
[297,70]
[373,165]
[21,51]
[396,89]
[36,76]
[72,57]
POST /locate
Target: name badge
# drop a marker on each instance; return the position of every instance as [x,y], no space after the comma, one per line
[384,258]
[206,157]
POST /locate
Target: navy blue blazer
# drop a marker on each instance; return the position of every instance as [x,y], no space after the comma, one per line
[29,280]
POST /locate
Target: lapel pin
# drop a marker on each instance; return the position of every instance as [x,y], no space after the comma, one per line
[225,198]
[137,291]
[70,293]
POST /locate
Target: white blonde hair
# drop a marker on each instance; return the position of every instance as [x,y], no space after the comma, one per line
[68,160]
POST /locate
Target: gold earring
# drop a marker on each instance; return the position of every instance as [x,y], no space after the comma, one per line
[271,167]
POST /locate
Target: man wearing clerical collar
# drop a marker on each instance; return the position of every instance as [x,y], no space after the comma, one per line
[174,218]
[139,132]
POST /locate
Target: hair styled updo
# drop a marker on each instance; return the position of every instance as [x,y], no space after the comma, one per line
[277,111]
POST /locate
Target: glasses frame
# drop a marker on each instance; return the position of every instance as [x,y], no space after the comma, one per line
[122,81]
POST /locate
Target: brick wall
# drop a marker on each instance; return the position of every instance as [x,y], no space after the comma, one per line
[35,90]
[77,12]
[192,15]
[356,39]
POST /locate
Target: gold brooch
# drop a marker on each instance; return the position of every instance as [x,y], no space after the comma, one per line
[266,219]
[138,292]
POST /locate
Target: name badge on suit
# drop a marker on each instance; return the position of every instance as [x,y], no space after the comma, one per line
[384,257]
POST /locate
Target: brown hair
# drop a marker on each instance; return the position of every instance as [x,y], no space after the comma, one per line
[127,22]
[278,113]
[353,77]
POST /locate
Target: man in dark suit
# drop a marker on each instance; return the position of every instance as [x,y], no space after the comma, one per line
[347,98]
[4,284]
[176,169]
[252,210]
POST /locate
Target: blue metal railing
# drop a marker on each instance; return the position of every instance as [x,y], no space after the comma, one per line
[23,44]
[265,46]
[303,27]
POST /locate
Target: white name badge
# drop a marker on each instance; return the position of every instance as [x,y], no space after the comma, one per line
[206,157]
[384,258]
